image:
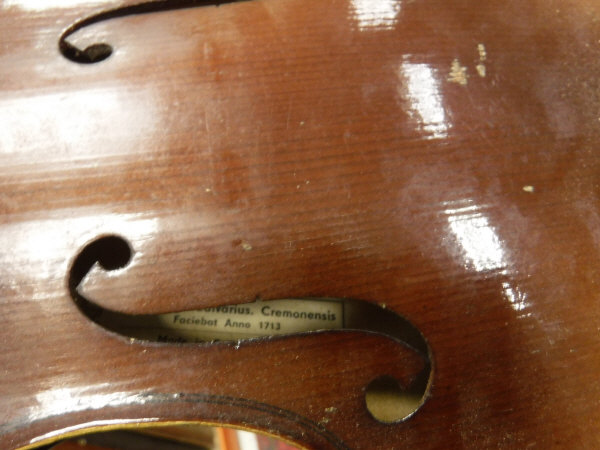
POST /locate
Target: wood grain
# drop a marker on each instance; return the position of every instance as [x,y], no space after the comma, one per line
[280,149]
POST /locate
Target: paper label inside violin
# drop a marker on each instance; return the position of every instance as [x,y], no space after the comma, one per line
[231,322]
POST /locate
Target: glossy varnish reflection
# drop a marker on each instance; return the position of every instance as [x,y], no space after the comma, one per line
[436,157]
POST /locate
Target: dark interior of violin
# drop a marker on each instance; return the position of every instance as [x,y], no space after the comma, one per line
[349,224]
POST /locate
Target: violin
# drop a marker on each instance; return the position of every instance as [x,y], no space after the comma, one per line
[350,224]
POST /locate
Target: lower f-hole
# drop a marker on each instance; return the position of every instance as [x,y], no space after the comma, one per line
[385,398]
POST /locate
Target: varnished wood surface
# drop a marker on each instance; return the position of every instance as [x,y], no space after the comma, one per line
[436,157]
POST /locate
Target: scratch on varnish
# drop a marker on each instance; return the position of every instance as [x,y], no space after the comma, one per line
[482,57]
[458,73]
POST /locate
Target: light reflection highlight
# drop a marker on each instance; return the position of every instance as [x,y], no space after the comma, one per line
[247,440]
[62,400]
[479,241]
[516,298]
[483,249]
[423,94]
[79,122]
[42,5]
[379,14]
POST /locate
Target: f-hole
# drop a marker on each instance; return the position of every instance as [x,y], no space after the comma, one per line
[385,398]
[100,51]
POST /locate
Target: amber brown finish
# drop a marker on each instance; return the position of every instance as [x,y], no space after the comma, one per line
[436,157]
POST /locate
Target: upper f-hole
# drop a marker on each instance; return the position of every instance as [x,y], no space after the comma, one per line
[100,51]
